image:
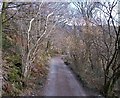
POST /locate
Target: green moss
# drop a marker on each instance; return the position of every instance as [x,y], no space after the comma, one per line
[6,44]
[15,73]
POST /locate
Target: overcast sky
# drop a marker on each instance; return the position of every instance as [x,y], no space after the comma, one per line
[114,12]
[57,0]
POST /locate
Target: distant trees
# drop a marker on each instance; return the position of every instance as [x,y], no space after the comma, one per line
[100,44]
[34,27]
[29,28]
[92,42]
[112,66]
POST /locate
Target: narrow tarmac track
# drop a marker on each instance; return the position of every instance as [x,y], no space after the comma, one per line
[61,81]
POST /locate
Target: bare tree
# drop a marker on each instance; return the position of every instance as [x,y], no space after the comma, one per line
[40,25]
[101,39]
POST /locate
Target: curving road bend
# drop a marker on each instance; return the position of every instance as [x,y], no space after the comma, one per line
[61,81]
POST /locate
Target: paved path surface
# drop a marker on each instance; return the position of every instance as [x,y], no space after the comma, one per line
[61,81]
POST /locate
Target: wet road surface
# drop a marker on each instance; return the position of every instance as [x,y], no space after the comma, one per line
[61,81]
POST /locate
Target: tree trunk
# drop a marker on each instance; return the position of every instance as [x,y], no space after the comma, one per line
[26,69]
[2,18]
[0,53]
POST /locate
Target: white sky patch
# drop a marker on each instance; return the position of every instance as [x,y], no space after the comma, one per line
[101,14]
[57,0]
[114,13]
[36,0]
[0,6]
